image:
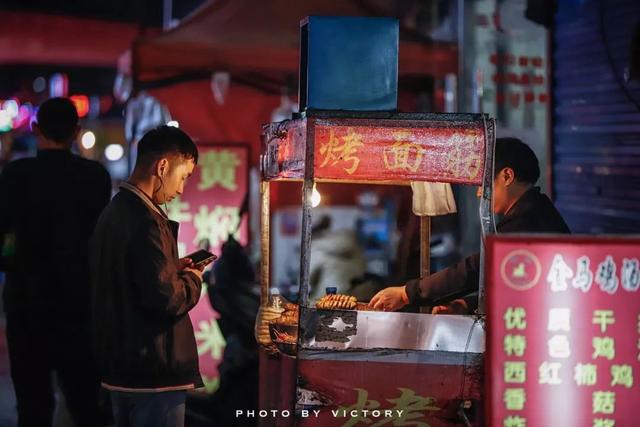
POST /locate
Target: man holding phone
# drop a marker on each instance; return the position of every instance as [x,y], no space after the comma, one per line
[201,258]
[143,292]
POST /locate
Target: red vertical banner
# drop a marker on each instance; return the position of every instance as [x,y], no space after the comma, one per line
[564,331]
[209,208]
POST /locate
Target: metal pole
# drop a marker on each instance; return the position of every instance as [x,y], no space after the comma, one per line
[487,222]
[461,87]
[425,246]
[425,252]
[264,241]
[305,239]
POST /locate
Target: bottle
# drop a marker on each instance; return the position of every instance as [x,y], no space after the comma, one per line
[266,313]
[276,299]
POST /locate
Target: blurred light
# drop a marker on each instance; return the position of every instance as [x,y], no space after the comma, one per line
[173,123]
[106,102]
[5,121]
[23,117]
[285,110]
[316,198]
[94,106]
[82,104]
[118,169]
[220,81]
[58,85]
[34,117]
[11,107]
[123,85]
[88,140]
[114,152]
[368,199]
[39,84]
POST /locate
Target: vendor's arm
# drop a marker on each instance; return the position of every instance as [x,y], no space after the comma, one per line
[453,282]
[164,284]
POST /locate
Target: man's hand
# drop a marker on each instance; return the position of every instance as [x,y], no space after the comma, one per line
[185,262]
[458,306]
[188,263]
[194,271]
[390,299]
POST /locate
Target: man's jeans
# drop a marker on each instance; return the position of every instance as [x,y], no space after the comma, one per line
[161,409]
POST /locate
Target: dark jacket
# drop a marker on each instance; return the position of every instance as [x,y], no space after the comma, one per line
[143,334]
[231,293]
[532,213]
[49,206]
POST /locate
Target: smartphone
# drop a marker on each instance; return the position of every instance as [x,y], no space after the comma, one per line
[201,258]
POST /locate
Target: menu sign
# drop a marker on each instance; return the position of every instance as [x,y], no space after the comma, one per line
[563,331]
[208,212]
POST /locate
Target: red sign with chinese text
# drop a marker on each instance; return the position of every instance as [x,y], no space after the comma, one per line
[442,152]
[405,392]
[564,331]
[209,209]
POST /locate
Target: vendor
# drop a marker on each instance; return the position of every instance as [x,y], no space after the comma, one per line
[524,210]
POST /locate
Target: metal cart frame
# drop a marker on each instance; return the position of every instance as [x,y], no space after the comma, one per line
[290,155]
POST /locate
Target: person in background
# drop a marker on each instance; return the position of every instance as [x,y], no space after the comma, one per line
[232,293]
[336,259]
[143,292]
[50,205]
[523,209]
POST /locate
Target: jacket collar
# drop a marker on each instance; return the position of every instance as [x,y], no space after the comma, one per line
[524,203]
[147,201]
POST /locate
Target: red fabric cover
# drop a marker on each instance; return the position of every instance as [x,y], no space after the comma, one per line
[35,38]
[238,120]
[257,36]
[251,37]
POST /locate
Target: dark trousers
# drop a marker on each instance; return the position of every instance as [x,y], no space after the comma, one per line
[161,409]
[37,348]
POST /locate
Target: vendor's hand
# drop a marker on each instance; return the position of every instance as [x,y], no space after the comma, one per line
[185,262]
[458,306]
[194,271]
[390,299]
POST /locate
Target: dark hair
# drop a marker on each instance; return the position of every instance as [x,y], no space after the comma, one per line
[515,154]
[165,140]
[57,119]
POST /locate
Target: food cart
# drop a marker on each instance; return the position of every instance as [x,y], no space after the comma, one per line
[351,367]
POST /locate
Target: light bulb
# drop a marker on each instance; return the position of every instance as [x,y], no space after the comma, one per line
[316,198]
